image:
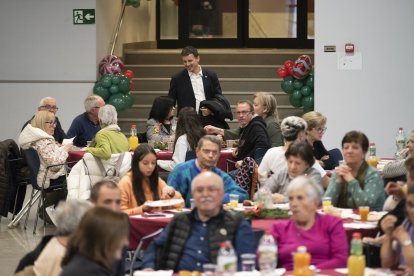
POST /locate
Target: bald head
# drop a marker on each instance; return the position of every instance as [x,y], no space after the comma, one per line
[207,190]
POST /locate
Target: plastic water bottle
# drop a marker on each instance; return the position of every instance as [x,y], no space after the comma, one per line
[265,198]
[226,260]
[356,260]
[399,142]
[267,255]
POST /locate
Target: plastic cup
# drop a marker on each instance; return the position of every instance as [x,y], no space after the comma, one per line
[234,200]
[209,269]
[326,203]
[363,213]
[248,262]
[192,203]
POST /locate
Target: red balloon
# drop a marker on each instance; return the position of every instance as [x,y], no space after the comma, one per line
[131,86]
[289,63]
[289,71]
[129,74]
[281,72]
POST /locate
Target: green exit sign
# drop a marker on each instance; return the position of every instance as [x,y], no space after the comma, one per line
[83,16]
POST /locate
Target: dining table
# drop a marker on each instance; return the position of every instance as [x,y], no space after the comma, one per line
[145,224]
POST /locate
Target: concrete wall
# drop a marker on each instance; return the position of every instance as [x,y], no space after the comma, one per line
[377,99]
[44,54]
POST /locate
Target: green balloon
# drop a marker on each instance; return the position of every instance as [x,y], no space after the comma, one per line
[297,84]
[115,79]
[287,85]
[106,82]
[306,90]
[118,101]
[114,89]
[309,81]
[101,91]
[296,98]
[129,99]
[308,103]
[123,85]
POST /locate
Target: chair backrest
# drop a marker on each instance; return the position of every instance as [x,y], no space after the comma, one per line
[33,162]
[336,155]
[247,176]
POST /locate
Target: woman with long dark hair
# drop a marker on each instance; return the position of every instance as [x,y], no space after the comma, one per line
[189,131]
[142,183]
[161,122]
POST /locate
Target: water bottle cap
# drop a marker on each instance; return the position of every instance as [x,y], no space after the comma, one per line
[372,144]
[356,235]
[302,249]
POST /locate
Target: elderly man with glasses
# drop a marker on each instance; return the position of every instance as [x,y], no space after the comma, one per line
[86,125]
[252,134]
[49,104]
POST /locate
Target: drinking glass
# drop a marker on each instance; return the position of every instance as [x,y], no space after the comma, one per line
[326,203]
[248,262]
[363,213]
[234,200]
[209,269]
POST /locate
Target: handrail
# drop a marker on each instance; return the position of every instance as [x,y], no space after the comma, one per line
[120,19]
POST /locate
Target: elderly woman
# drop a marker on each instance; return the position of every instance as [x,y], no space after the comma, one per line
[265,105]
[403,253]
[39,135]
[97,243]
[109,139]
[293,129]
[300,160]
[68,216]
[161,122]
[356,183]
[323,235]
[316,128]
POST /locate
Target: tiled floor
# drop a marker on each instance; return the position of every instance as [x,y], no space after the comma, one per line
[15,243]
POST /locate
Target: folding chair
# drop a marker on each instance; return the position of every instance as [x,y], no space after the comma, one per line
[15,166]
[33,161]
[139,252]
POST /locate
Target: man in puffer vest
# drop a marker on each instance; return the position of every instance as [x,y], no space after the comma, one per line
[193,238]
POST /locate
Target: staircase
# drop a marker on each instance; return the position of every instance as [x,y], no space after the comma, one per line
[241,72]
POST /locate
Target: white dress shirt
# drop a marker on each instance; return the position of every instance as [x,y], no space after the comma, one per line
[198,87]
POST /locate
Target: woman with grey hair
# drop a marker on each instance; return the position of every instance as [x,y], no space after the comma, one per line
[109,139]
[293,129]
[323,235]
[68,216]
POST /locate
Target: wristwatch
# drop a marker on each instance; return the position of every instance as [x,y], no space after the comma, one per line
[406,242]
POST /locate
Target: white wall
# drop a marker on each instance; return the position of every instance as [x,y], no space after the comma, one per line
[44,54]
[377,99]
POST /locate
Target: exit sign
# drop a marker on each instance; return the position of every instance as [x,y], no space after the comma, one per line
[83,16]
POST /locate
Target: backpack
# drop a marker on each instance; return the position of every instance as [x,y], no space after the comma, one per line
[113,172]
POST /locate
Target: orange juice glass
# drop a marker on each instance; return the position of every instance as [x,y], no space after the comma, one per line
[363,212]
[326,204]
[234,201]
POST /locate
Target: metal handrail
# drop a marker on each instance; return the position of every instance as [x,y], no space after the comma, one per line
[120,19]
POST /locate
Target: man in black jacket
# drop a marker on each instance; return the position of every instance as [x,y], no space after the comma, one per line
[193,85]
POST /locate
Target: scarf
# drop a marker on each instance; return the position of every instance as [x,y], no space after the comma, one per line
[343,194]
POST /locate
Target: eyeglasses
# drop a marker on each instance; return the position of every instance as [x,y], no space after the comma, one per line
[243,113]
[52,123]
[50,107]
[207,152]
[320,129]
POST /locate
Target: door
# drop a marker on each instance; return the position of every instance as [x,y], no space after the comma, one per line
[235,23]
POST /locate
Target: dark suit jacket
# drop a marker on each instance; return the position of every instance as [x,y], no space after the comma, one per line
[181,90]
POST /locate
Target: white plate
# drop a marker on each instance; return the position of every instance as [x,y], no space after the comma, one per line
[164,203]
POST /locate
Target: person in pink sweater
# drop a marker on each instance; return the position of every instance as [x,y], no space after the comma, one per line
[142,183]
[323,235]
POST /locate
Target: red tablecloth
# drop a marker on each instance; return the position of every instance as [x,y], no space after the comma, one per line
[141,227]
[167,155]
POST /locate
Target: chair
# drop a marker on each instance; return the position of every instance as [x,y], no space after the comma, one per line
[18,180]
[248,175]
[32,158]
[139,252]
[336,155]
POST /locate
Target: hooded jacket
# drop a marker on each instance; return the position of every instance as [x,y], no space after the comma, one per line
[252,137]
[49,151]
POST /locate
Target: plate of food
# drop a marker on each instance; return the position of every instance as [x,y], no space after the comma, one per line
[164,203]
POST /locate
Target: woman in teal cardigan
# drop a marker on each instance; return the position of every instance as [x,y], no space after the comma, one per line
[355,183]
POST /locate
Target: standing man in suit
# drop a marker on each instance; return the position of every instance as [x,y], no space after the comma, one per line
[193,84]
